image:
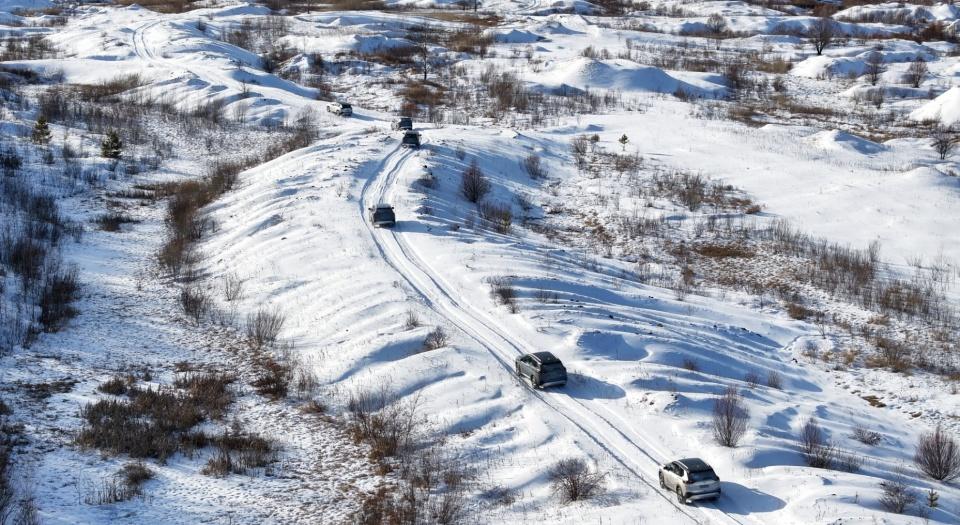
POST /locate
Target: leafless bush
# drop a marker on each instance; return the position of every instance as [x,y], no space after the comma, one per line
[690,364]
[867,436]
[389,425]
[499,216]
[195,302]
[774,380]
[938,455]
[263,327]
[752,378]
[134,475]
[579,147]
[917,71]
[817,451]
[848,461]
[533,167]
[238,452]
[210,392]
[412,320]
[111,222]
[503,292]
[232,287]
[875,67]
[730,418]
[60,290]
[573,480]
[273,378]
[436,339]
[897,495]
[474,185]
[109,490]
[116,386]
[943,139]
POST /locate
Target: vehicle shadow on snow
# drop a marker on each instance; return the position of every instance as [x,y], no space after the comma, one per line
[741,500]
[586,387]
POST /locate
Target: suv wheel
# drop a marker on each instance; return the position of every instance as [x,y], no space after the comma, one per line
[535,380]
[680,498]
[662,484]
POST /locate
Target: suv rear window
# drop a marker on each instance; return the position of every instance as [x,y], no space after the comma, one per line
[551,367]
[703,475]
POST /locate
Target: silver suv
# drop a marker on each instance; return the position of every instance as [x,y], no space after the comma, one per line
[692,479]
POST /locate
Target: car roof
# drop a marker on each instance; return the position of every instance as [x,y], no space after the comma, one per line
[384,206]
[545,357]
[694,464]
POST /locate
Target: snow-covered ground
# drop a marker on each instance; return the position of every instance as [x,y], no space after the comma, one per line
[646,361]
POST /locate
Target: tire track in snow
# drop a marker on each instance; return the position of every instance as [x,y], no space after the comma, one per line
[434,290]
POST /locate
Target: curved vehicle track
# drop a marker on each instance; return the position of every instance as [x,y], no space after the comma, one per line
[605,428]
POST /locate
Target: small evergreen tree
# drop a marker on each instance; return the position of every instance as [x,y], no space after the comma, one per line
[111,147]
[41,131]
[623,141]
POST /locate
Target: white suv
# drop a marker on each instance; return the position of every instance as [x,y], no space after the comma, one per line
[692,479]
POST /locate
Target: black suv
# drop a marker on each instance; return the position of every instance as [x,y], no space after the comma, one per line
[543,369]
[404,123]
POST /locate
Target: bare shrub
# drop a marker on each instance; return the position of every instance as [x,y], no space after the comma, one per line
[116,386]
[503,292]
[573,480]
[774,380]
[533,166]
[817,451]
[938,455]
[897,495]
[730,418]
[210,392]
[273,378]
[875,67]
[943,139]
[690,364]
[867,436]
[498,216]
[195,302]
[848,461]
[111,222]
[917,71]
[474,185]
[60,290]
[412,320]
[134,475]
[752,378]
[263,327]
[389,425]
[232,287]
[436,339]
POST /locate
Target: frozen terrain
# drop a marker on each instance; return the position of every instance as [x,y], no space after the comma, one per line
[637,247]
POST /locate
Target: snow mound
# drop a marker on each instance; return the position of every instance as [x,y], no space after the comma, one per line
[945,108]
[834,140]
[614,74]
[824,66]
[515,36]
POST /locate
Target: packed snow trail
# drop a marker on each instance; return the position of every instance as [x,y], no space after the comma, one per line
[595,421]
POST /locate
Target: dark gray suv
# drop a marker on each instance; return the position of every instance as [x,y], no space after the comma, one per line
[691,479]
[543,369]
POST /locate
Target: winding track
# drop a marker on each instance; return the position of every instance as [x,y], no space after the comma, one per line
[605,428]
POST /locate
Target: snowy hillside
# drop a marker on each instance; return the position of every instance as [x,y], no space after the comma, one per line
[734,224]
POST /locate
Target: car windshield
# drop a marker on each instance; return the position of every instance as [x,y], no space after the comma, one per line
[703,475]
[383,214]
